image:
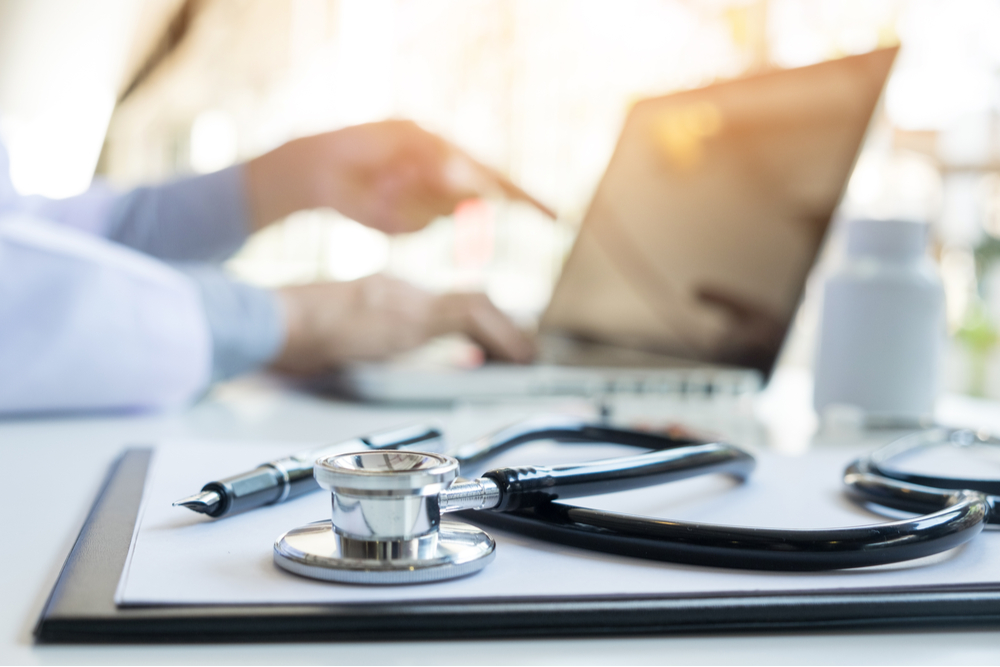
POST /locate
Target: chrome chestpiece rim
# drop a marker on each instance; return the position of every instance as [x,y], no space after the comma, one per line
[388,495]
[386,523]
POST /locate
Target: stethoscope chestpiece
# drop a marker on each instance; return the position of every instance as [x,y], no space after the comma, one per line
[386,525]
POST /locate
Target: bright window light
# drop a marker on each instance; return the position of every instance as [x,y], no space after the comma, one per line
[354,251]
[214,143]
[54,153]
[60,64]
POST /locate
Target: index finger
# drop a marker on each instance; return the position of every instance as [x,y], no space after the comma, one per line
[465,173]
[474,315]
[514,191]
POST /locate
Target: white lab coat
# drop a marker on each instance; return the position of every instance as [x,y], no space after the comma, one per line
[87,324]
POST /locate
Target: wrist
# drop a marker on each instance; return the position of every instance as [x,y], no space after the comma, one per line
[280,183]
[245,322]
[289,357]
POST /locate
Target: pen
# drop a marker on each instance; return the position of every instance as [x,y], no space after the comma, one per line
[279,480]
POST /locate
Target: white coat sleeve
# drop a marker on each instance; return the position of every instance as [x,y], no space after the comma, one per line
[89,325]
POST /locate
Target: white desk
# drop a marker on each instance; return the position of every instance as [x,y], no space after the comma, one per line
[68,458]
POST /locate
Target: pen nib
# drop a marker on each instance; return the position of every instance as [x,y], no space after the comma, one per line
[204,502]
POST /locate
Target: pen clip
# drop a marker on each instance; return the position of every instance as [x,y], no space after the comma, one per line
[429,438]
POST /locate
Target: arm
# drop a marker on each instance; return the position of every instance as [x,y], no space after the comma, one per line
[392,176]
[200,218]
[87,325]
[194,219]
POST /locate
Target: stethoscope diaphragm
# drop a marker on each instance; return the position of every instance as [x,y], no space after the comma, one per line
[316,551]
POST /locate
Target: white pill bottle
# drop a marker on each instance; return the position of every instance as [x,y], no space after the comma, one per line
[883,327]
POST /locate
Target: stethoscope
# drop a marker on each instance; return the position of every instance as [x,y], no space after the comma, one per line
[386,525]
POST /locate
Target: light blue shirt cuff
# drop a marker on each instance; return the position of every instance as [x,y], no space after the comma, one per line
[246,322]
[198,219]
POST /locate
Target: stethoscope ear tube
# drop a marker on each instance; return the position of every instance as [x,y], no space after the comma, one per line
[949,518]
[749,548]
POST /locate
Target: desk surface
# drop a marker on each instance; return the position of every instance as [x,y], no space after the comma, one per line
[72,455]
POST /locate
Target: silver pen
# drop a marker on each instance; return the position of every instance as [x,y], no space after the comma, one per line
[277,481]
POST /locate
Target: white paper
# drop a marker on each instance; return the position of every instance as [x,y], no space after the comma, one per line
[181,558]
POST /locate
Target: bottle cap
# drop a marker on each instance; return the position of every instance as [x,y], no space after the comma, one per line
[886,239]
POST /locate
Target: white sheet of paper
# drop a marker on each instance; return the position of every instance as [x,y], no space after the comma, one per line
[181,558]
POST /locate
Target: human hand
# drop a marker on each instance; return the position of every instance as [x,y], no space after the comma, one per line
[330,324]
[392,176]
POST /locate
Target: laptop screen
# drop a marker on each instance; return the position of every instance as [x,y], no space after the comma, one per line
[701,234]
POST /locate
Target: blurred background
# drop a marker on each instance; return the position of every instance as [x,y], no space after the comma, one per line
[135,91]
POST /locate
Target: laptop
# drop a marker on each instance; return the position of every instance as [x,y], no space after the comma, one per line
[693,256]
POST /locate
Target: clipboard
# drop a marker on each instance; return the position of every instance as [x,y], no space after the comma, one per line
[81,607]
